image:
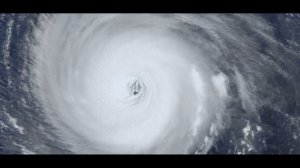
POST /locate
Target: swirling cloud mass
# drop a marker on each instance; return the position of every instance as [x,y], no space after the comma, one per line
[127,83]
[156,83]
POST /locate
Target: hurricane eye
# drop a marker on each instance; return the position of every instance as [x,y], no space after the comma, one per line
[134,88]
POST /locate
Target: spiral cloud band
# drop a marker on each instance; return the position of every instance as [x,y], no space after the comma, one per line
[127,84]
[147,83]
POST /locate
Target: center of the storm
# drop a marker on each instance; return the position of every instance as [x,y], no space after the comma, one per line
[134,87]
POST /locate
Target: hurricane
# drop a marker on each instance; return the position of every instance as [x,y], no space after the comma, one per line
[149,83]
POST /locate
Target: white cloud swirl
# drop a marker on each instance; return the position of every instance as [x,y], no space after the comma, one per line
[130,83]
